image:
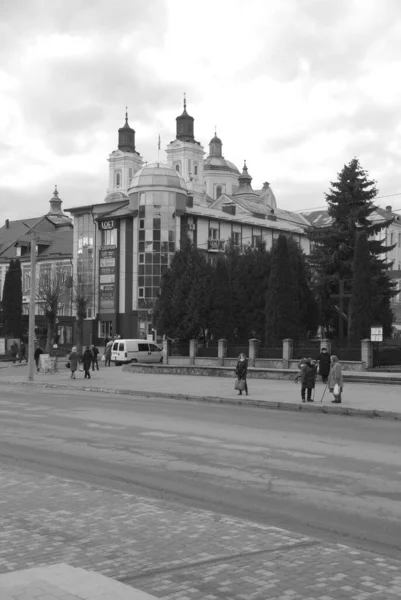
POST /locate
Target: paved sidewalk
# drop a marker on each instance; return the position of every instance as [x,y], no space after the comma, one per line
[168,550]
[359,398]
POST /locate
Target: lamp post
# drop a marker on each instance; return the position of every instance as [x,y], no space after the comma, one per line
[32,304]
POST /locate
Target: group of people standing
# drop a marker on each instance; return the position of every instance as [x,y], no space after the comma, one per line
[18,352]
[329,369]
[88,359]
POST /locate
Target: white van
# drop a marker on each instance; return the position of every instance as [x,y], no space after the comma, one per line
[132,351]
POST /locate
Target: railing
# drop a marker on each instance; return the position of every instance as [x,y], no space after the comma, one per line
[215,245]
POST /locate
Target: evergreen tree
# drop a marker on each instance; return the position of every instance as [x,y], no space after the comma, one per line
[350,204]
[12,300]
[307,303]
[282,314]
[221,313]
[360,306]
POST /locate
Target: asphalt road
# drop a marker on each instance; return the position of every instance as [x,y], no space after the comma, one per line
[336,478]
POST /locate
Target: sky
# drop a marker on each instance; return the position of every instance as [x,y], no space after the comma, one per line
[297,88]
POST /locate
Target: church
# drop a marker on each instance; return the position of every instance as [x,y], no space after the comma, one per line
[124,244]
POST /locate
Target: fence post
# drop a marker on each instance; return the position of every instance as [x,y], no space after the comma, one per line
[367,354]
[288,352]
[253,351]
[166,350]
[193,351]
[222,351]
[325,344]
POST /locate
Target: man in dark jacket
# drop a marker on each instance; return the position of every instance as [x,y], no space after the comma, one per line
[95,362]
[87,361]
[324,364]
[308,380]
[36,355]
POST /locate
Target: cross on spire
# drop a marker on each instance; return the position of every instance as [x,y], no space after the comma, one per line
[185,101]
[126,115]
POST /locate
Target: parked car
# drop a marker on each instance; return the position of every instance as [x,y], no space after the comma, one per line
[135,351]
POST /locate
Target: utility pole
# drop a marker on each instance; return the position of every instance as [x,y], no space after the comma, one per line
[32,304]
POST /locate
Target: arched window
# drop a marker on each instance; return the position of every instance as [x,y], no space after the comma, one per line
[118,179]
[218,191]
[177,168]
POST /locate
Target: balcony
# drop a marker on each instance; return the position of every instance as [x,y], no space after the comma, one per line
[214,245]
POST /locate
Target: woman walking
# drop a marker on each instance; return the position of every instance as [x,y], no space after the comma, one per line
[87,361]
[73,358]
[241,371]
[335,382]
[107,354]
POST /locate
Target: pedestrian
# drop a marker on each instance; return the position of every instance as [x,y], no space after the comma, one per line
[323,361]
[14,351]
[36,355]
[22,352]
[106,340]
[335,382]
[87,361]
[107,354]
[73,359]
[241,371]
[308,380]
[301,369]
[95,352]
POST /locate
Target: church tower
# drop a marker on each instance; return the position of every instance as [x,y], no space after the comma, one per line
[185,155]
[123,162]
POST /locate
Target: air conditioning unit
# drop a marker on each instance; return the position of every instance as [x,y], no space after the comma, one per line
[191,226]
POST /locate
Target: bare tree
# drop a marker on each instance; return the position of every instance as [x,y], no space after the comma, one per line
[51,295]
[82,298]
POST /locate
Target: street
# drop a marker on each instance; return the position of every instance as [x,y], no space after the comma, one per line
[337,479]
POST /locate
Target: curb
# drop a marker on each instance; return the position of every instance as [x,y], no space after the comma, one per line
[317,408]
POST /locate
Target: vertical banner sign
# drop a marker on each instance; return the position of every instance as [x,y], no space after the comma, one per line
[107,278]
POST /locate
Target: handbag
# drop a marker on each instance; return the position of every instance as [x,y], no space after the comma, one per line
[239,385]
[336,390]
[68,364]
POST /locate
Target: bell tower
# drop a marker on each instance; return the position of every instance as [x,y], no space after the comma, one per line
[125,161]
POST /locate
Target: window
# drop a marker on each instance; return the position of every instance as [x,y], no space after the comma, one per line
[130,174]
[196,169]
[105,329]
[391,238]
[109,237]
[218,191]
[18,250]
[399,240]
[121,347]
[256,240]
[141,259]
[141,292]
[153,348]
[118,179]
[143,347]
[177,168]
[115,346]
[214,233]
[236,238]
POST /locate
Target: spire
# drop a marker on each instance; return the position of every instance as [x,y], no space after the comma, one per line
[244,179]
[55,205]
[185,125]
[126,136]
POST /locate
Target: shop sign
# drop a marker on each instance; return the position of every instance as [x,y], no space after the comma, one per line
[108,224]
[107,278]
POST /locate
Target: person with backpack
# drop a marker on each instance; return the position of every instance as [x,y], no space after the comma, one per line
[308,380]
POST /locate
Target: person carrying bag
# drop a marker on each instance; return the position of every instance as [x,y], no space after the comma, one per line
[241,371]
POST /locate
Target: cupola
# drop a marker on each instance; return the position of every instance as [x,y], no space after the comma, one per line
[244,179]
[215,146]
[55,205]
[126,137]
[185,126]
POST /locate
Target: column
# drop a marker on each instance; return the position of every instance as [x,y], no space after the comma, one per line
[367,354]
[288,348]
[253,351]
[193,351]
[222,351]
[166,350]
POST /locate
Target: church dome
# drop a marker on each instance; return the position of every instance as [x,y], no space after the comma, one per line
[219,163]
[158,175]
[115,197]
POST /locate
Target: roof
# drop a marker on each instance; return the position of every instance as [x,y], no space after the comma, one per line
[57,241]
[253,204]
[158,174]
[321,218]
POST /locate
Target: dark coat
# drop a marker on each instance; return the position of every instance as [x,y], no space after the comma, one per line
[87,359]
[324,364]
[241,369]
[309,376]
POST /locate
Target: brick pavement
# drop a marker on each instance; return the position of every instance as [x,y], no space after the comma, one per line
[174,552]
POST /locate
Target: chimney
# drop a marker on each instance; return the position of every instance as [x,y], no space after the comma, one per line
[389,208]
[7,224]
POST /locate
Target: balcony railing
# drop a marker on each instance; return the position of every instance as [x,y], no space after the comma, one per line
[215,245]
